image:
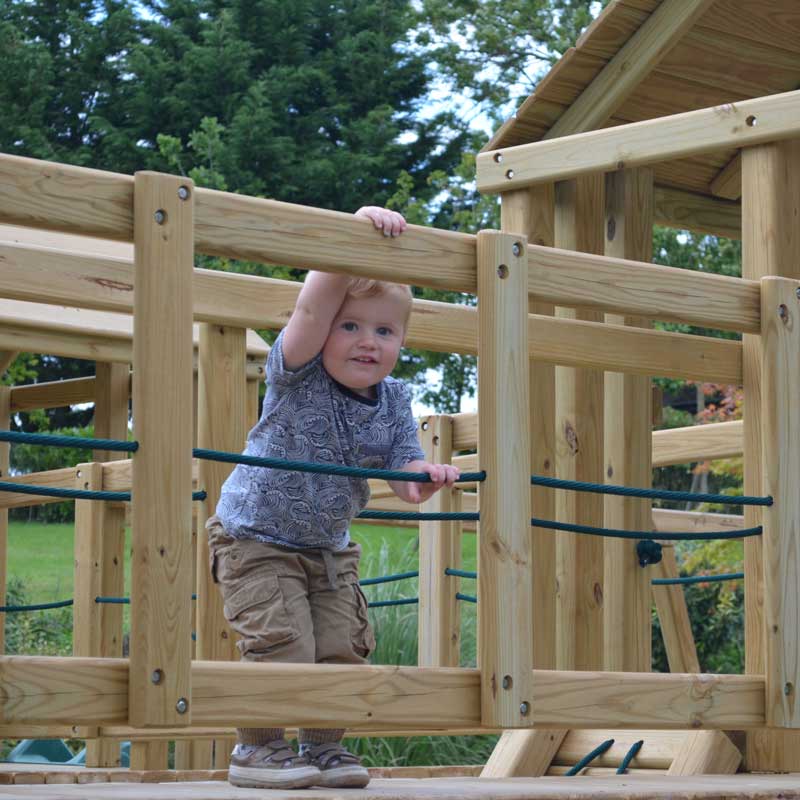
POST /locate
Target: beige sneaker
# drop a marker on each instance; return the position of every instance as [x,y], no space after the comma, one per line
[338,768]
[271,766]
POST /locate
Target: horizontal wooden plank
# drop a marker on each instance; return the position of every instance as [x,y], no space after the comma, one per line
[657,753]
[45,690]
[694,521]
[615,285]
[675,208]
[698,443]
[749,122]
[75,200]
[465,431]
[53,479]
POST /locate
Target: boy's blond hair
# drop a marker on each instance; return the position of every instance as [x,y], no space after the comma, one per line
[367,287]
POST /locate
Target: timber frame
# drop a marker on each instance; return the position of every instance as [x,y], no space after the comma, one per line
[566,344]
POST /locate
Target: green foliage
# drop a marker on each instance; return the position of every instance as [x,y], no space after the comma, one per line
[46,633]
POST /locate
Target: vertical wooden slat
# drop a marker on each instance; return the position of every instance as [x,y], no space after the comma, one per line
[221,417]
[439,548]
[5,417]
[674,617]
[770,246]
[149,755]
[628,442]
[579,451]
[530,212]
[780,414]
[161,574]
[505,645]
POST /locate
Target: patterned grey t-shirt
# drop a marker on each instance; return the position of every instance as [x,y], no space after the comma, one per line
[308,416]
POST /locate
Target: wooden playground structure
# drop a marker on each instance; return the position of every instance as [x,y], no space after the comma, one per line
[566,351]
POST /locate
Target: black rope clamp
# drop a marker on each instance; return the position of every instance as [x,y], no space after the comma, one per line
[649,552]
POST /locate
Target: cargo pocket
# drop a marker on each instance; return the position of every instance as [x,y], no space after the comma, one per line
[361,635]
[256,610]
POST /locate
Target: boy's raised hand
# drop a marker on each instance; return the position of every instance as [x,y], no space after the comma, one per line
[390,222]
[441,475]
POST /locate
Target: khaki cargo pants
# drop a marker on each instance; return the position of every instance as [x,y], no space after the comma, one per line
[301,606]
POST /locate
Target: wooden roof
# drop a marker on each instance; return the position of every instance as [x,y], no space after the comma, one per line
[643,59]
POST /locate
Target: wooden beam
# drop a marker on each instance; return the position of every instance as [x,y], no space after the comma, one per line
[556,276]
[7,358]
[770,246]
[630,66]
[505,608]
[698,443]
[161,574]
[77,691]
[658,751]
[694,522]
[676,628]
[780,362]
[638,144]
[628,442]
[579,448]
[5,417]
[631,287]
[523,754]
[728,183]
[439,627]
[54,394]
[676,208]
[706,753]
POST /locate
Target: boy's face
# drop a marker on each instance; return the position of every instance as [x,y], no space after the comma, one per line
[365,339]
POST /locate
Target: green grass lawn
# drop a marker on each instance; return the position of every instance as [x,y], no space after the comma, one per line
[41,556]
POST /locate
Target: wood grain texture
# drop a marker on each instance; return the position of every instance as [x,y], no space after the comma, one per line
[505,607]
[780,361]
[523,754]
[698,443]
[641,143]
[770,246]
[439,548]
[677,208]
[706,753]
[628,442]
[579,449]
[161,572]
[728,183]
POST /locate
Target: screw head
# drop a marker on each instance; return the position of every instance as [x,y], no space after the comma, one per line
[507,682]
[788,689]
[797,292]
[502,272]
[783,312]
[160,216]
[524,708]
[157,676]
[183,192]
[516,249]
[182,706]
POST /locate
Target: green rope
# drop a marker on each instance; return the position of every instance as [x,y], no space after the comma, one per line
[589,757]
[678,537]
[406,601]
[460,573]
[388,578]
[728,576]
[467,598]
[629,756]
[36,607]
[51,440]
[655,494]
[326,469]
[75,494]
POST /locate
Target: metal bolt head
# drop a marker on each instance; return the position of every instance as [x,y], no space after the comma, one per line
[788,689]
[183,192]
[797,292]
[160,216]
[524,708]
[507,682]
[516,249]
[157,676]
[502,272]
[783,312]
[182,706]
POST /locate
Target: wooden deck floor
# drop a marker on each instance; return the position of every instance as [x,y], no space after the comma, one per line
[634,787]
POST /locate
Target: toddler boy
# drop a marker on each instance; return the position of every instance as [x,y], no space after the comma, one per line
[280,544]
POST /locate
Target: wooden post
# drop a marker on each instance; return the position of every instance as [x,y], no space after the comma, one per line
[505,646]
[161,573]
[112,392]
[530,212]
[780,414]
[674,616]
[770,246]
[149,755]
[221,425]
[5,418]
[706,753]
[439,548]
[579,452]
[627,593]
